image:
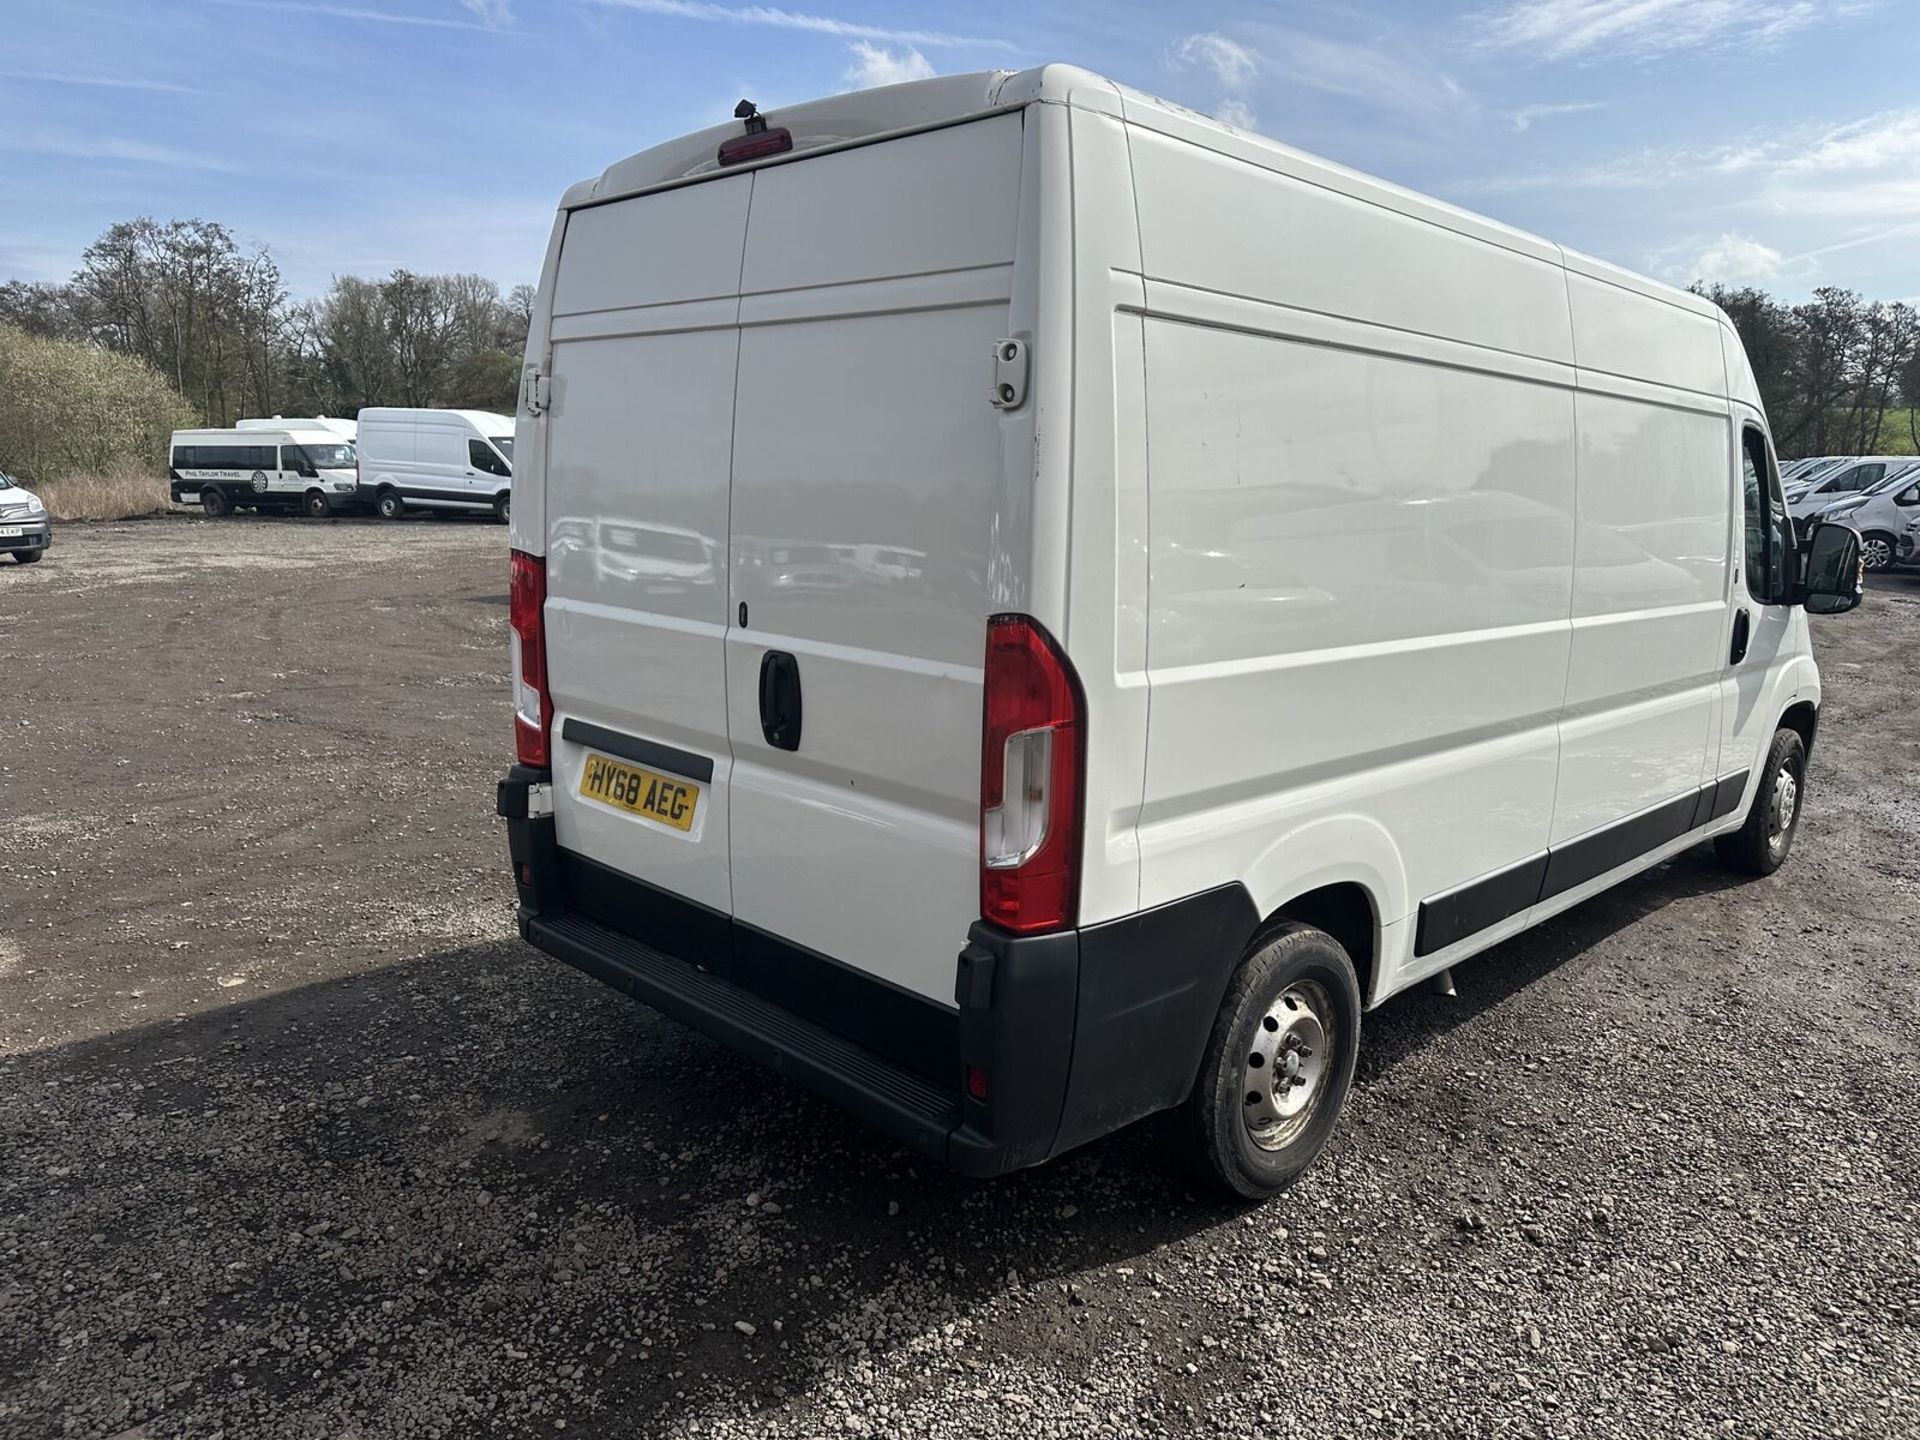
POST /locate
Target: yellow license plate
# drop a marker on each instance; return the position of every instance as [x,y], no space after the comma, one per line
[654,797]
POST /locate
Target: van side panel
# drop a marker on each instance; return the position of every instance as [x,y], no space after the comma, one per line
[1360,573]
[1649,611]
[1360,452]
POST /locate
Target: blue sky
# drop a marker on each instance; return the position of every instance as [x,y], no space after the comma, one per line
[1767,141]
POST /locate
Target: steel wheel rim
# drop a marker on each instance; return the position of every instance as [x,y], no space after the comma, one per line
[1285,1076]
[1784,808]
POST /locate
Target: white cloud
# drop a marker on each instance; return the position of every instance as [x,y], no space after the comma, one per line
[352,12]
[1232,63]
[778,19]
[874,66]
[110,82]
[1879,141]
[111,148]
[1524,118]
[1736,260]
[492,13]
[1372,74]
[1565,29]
[1236,113]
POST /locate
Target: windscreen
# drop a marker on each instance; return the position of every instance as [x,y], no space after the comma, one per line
[329,457]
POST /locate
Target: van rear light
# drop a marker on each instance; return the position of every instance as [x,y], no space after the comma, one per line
[756,146]
[527,657]
[1031,763]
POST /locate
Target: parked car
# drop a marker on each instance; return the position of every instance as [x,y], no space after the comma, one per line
[1907,552]
[263,469]
[450,460]
[1881,514]
[1396,601]
[26,529]
[1843,482]
[1802,472]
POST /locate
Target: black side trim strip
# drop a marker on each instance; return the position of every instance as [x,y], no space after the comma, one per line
[1727,800]
[1581,860]
[632,747]
[1472,908]
[1444,919]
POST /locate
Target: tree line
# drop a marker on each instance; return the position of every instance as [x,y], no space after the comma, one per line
[1836,371]
[216,322]
[214,325]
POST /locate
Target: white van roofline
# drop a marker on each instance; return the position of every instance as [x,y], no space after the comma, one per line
[487,422]
[864,116]
[261,435]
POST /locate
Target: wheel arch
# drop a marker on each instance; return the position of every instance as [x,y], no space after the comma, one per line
[1802,717]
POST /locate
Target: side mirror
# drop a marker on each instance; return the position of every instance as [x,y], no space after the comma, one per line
[1835,577]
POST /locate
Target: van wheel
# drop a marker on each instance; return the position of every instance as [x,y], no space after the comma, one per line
[503,508]
[1279,1063]
[389,506]
[1760,846]
[214,502]
[29,557]
[316,505]
[1876,550]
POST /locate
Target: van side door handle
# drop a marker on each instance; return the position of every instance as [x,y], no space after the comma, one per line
[1742,630]
[780,700]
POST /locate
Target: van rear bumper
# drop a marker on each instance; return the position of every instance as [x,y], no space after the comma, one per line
[1070,1035]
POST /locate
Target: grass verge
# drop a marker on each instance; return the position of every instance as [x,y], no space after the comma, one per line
[117,494]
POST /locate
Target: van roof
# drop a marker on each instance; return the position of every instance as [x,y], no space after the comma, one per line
[485,421]
[839,121]
[263,434]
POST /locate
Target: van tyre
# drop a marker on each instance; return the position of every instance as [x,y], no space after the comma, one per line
[316,505]
[214,502]
[1279,1063]
[1760,846]
[389,506]
[28,557]
[503,508]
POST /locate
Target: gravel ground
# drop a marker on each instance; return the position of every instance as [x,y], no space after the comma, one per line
[296,1139]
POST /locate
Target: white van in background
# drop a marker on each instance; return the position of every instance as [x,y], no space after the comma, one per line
[1148,595]
[262,468]
[436,460]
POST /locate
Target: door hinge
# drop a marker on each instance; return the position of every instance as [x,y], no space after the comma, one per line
[1009,374]
[535,391]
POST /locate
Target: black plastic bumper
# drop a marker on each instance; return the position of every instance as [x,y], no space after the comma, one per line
[1073,1034]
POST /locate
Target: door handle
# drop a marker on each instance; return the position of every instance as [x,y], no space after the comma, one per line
[780,700]
[1742,631]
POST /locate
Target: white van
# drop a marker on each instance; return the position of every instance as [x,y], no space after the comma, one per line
[1169,594]
[436,460]
[263,468]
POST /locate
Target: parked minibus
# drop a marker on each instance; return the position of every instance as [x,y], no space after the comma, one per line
[263,468]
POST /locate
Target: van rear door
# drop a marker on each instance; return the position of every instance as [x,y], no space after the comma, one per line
[866,466]
[639,435]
